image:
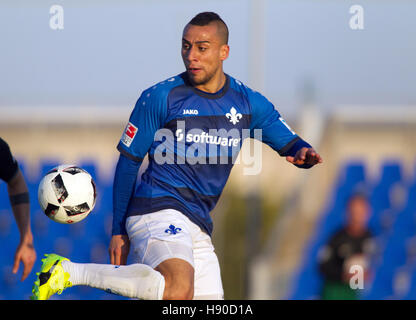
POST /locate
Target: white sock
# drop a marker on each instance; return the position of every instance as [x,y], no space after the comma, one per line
[133,281]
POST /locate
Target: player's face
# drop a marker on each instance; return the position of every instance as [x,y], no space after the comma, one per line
[203,53]
[359,212]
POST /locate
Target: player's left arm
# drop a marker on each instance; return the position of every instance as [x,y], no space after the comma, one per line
[276,133]
[301,154]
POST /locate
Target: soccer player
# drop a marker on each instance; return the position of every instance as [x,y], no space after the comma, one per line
[19,200]
[191,126]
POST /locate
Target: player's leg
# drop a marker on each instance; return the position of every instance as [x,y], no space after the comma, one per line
[134,281]
[172,279]
[207,282]
[176,247]
[163,241]
[179,279]
[186,259]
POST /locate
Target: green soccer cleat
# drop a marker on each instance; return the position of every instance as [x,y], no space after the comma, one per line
[51,279]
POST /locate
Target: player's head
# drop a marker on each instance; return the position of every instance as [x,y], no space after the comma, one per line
[204,47]
[358,210]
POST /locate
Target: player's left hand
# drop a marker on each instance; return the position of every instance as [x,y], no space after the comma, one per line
[27,255]
[306,156]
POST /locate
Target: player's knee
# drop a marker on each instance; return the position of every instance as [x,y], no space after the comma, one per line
[179,279]
[178,287]
[184,291]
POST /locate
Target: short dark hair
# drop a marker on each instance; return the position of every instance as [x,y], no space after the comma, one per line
[205,18]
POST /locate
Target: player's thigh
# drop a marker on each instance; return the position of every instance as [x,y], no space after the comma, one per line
[159,236]
[179,279]
[207,282]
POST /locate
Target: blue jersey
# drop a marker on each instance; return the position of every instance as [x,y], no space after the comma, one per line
[192,139]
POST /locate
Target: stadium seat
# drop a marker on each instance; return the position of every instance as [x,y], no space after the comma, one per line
[307,281]
[391,173]
[4,197]
[6,221]
[395,253]
[411,293]
[91,168]
[394,227]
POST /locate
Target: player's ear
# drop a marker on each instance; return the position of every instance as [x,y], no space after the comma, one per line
[224,51]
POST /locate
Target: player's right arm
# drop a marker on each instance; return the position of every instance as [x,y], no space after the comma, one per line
[19,200]
[123,188]
[147,117]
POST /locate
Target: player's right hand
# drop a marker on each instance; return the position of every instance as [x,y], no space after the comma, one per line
[119,249]
[26,254]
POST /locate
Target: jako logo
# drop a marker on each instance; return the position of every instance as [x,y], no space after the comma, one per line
[190,111]
[173,230]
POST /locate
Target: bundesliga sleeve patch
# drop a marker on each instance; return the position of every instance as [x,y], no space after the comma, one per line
[129,134]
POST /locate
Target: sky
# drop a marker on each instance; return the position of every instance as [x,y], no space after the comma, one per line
[108,52]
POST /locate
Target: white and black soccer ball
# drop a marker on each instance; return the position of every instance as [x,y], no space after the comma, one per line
[67,194]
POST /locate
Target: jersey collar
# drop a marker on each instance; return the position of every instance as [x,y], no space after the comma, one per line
[216,95]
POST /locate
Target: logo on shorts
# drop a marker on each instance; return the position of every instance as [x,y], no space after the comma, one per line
[173,230]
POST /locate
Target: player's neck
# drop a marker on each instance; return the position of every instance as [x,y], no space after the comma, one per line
[214,85]
[356,231]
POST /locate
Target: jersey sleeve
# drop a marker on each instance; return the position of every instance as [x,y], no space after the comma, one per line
[8,164]
[147,117]
[275,132]
[123,188]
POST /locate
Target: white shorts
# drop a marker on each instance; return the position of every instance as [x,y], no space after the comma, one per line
[165,234]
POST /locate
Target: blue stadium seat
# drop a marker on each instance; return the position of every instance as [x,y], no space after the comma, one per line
[91,168]
[4,196]
[46,165]
[9,281]
[395,251]
[6,221]
[308,281]
[411,294]
[394,228]
[391,173]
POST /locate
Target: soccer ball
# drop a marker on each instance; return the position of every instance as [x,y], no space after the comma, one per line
[67,194]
